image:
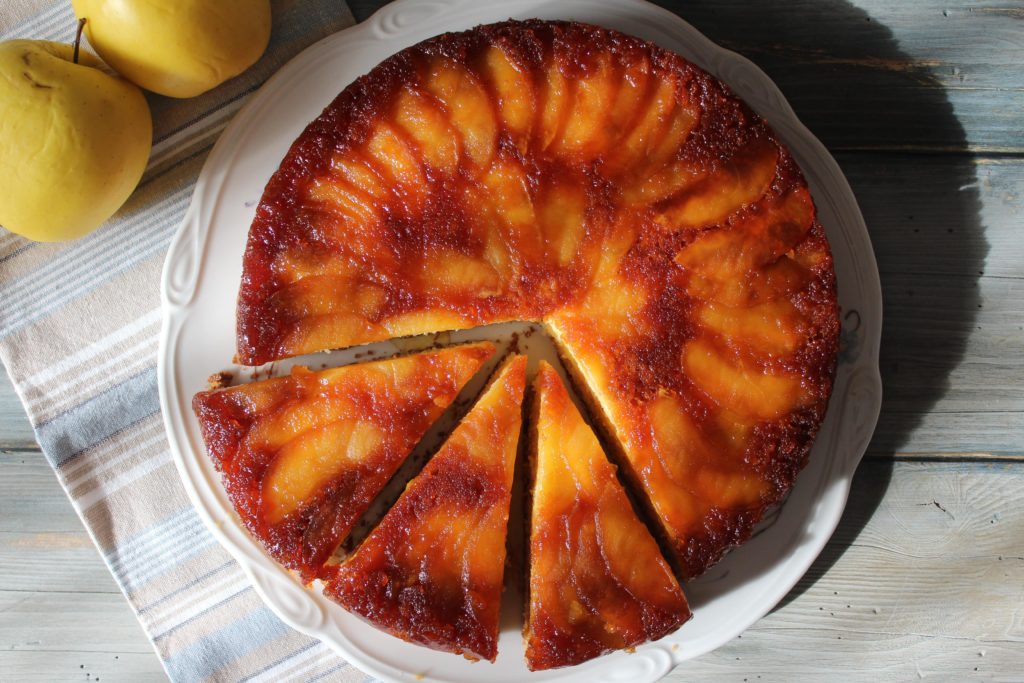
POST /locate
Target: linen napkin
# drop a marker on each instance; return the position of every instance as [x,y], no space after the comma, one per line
[78,334]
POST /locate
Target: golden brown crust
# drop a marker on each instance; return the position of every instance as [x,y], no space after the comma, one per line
[567,173]
[303,456]
[597,579]
[431,572]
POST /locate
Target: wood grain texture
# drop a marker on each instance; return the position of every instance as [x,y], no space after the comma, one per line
[15,429]
[61,614]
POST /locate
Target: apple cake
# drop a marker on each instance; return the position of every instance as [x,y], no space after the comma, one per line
[597,579]
[432,571]
[570,175]
[303,456]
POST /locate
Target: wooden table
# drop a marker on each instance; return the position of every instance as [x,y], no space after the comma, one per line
[922,103]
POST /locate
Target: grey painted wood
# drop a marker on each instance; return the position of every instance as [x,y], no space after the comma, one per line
[15,429]
[61,614]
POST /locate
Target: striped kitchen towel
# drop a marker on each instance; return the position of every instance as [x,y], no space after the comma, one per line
[78,334]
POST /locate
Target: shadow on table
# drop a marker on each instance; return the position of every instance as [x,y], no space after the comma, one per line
[850,83]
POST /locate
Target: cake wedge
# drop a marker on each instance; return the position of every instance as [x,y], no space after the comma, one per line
[302,456]
[598,581]
[432,571]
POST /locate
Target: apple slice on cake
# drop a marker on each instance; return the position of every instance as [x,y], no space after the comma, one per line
[597,579]
[431,572]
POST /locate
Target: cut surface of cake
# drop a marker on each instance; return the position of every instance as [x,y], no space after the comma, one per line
[431,572]
[570,174]
[303,456]
[598,581]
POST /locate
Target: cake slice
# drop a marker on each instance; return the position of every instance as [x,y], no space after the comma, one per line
[597,579]
[431,572]
[303,456]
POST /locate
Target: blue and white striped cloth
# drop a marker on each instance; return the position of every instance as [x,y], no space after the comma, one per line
[78,334]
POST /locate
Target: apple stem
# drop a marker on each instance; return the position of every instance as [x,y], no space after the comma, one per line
[78,39]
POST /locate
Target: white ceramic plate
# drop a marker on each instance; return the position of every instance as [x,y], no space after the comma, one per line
[200,283]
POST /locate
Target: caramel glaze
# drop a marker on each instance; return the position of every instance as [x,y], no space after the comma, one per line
[303,456]
[431,572]
[570,174]
[597,579]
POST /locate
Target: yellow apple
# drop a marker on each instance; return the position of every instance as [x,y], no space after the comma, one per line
[179,48]
[74,140]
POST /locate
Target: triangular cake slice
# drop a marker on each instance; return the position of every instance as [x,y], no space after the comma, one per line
[597,579]
[303,456]
[431,572]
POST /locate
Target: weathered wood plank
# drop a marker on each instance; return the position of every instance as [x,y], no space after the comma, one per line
[22,627]
[910,434]
[61,614]
[43,545]
[941,215]
[927,76]
[882,75]
[31,500]
[924,576]
[71,665]
[953,344]
[15,429]
[946,234]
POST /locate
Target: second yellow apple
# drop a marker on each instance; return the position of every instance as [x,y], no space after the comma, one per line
[179,48]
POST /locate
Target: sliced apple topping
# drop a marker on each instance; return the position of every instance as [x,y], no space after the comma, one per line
[562,217]
[437,142]
[513,86]
[554,98]
[773,327]
[345,201]
[322,332]
[508,193]
[738,385]
[432,570]
[451,272]
[647,132]
[307,463]
[597,579]
[398,163]
[469,108]
[630,98]
[351,169]
[738,182]
[314,295]
[306,454]
[424,322]
[585,134]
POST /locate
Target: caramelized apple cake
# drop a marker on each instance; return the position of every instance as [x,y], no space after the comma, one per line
[553,172]
[303,456]
[597,579]
[432,570]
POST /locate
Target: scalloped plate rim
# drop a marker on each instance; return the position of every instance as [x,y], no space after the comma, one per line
[190,241]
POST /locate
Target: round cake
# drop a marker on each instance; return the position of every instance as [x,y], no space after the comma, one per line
[585,179]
